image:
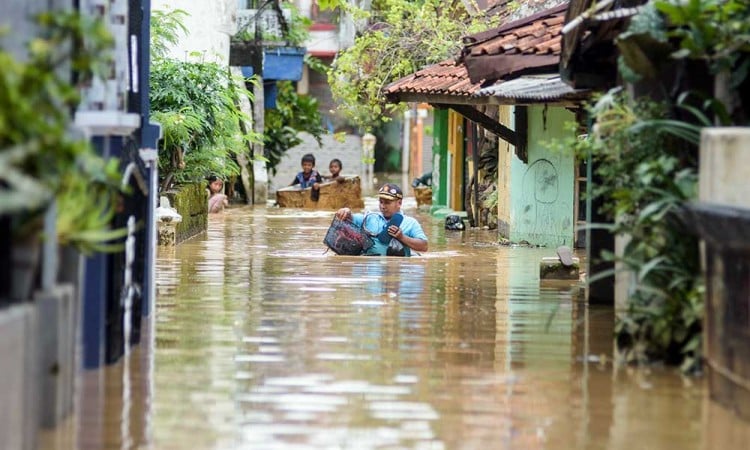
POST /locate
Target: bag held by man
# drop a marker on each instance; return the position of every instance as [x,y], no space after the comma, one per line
[395,248]
[345,238]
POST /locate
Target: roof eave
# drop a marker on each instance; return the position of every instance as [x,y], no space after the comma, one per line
[419,97]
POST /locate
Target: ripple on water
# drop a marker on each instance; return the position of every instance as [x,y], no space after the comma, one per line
[277,345]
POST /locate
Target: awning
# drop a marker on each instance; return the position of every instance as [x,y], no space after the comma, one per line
[532,89]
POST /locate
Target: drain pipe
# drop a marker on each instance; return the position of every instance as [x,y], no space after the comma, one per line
[128,288]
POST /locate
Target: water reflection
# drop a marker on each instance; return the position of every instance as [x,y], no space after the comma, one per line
[263,340]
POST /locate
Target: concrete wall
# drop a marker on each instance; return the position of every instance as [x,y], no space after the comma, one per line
[504,159]
[18,15]
[191,202]
[315,84]
[723,175]
[542,190]
[210,25]
[349,152]
[19,373]
[723,169]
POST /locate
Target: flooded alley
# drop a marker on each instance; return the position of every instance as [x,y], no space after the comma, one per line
[169,171]
[263,340]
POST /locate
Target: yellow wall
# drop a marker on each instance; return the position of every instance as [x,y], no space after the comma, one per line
[456,154]
[505,152]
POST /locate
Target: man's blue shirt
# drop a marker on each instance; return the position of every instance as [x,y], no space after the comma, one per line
[375,223]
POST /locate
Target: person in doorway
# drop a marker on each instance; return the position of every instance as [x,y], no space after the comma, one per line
[389,224]
[335,167]
[216,198]
[309,177]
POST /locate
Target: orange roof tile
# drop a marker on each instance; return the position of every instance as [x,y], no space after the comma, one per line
[445,77]
[537,35]
[523,46]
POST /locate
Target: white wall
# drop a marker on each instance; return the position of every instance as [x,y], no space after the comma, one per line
[210,25]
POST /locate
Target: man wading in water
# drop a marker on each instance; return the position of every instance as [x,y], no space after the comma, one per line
[389,224]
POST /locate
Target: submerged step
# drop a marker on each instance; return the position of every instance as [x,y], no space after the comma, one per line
[551,268]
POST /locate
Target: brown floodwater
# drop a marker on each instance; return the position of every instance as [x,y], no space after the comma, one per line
[261,340]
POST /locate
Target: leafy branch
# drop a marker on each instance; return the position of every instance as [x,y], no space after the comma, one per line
[198,108]
[403,37]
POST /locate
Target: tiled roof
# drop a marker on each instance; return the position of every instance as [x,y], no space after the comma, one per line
[522,46]
[446,78]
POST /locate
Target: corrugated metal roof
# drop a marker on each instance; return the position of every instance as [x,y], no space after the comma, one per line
[533,87]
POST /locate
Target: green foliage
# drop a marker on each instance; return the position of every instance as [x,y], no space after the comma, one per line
[293,113]
[679,35]
[35,104]
[645,159]
[296,31]
[351,8]
[405,36]
[197,104]
[491,201]
[39,158]
[644,46]
[646,170]
[80,225]
[166,29]
[715,30]
[315,64]
[329,4]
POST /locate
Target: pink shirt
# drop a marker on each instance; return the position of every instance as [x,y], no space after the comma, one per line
[216,203]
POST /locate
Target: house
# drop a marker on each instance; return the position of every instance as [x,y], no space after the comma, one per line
[588,60]
[330,31]
[60,311]
[506,81]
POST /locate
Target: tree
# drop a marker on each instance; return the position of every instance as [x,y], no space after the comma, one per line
[402,37]
[197,105]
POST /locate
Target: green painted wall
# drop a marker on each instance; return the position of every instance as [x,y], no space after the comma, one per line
[542,190]
[388,147]
[440,160]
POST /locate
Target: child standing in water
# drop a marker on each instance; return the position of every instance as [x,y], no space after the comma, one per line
[335,167]
[216,200]
[309,177]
